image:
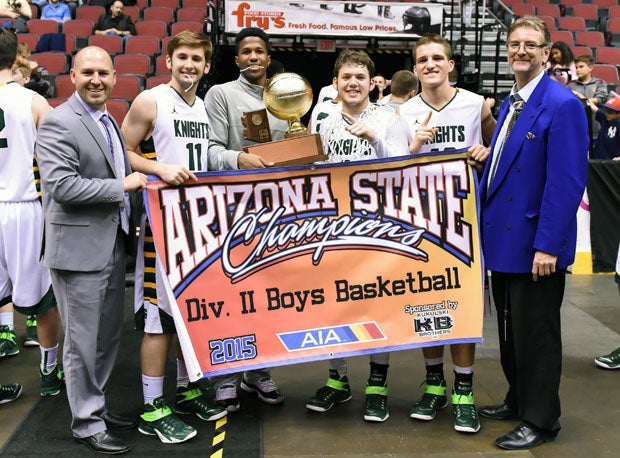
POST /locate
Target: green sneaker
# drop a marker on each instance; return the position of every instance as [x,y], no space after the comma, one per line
[10,393]
[336,390]
[51,381]
[8,347]
[191,399]
[433,399]
[159,420]
[610,361]
[465,415]
[31,338]
[375,404]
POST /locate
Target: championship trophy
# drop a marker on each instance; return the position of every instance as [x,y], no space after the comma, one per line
[287,96]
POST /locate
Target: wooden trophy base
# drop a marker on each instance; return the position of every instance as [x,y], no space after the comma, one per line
[303,149]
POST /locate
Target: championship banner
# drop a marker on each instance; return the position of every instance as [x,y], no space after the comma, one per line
[335,18]
[279,266]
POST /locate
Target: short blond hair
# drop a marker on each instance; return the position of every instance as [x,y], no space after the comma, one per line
[23,66]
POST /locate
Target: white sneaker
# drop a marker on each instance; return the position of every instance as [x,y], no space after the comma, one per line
[263,386]
[227,395]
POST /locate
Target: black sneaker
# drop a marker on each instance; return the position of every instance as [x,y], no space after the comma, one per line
[335,391]
[433,399]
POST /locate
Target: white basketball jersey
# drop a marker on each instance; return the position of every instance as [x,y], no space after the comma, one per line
[181,134]
[320,112]
[458,121]
[342,146]
[17,137]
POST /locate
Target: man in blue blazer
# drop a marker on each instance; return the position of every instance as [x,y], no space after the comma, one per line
[531,188]
[86,176]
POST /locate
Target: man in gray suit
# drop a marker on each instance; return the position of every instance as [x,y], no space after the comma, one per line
[86,176]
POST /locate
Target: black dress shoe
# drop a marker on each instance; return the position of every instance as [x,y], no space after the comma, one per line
[523,437]
[114,421]
[104,442]
[500,412]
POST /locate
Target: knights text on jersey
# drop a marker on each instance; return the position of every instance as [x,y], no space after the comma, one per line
[459,121]
[181,133]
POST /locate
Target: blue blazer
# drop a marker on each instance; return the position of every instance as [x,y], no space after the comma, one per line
[532,202]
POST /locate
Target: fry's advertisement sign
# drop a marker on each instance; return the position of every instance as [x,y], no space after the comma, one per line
[328,18]
[287,265]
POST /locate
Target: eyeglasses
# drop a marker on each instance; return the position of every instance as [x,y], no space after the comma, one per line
[514,46]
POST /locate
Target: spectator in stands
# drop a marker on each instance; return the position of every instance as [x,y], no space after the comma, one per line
[21,71]
[38,81]
[590,89]
[14,15]
[607,145]
[114,22]
[404,86]
[56,11]
[561,64]
[381,84]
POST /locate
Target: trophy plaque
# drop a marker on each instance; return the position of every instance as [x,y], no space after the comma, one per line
[256,126]
[288,96]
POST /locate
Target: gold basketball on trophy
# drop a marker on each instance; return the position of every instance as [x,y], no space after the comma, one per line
[288,96]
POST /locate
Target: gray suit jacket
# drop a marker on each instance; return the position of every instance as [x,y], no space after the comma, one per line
[81,194]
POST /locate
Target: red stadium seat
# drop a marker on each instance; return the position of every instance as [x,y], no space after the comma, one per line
[63,86]
[41,26]
[574,24]
[537,2]
[174,4]
[133,12]
[142,4]
[133,64]
[562,35]
[203,3]
[92,12]
[69,44]
[180,26]
[31,39]
[606,72]
[613,28]
[549,10]
[156,80]
[156,28]
[524,10]
[56,63]
[191,15]
[581,51]
[143,44]
[34,8]
[608,55]
[589,38]
[126,87]
[605,3]
[549,21]
[78,27]
[118,108]
[113,44]
[160,66]
[158,13]
[588,12]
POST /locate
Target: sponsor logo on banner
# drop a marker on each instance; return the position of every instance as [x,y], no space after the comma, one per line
[376,19]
